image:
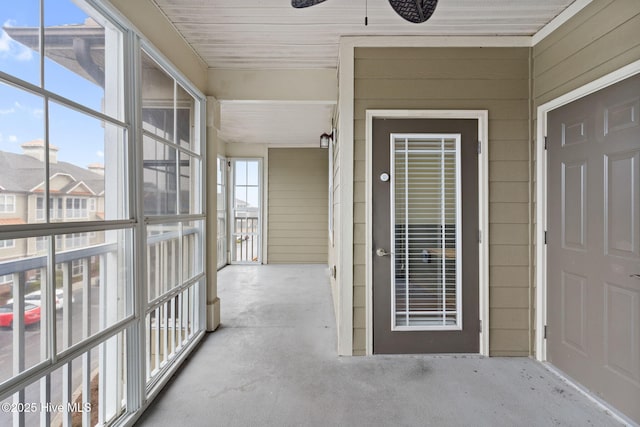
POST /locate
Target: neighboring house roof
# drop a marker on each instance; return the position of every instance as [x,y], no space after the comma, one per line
[77,47]
[11,221]
[22,174]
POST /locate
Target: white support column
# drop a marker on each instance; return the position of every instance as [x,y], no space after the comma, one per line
[211,226]
[346,156]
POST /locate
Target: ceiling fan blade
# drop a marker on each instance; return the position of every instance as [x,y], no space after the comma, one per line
[299,4]
[415,11]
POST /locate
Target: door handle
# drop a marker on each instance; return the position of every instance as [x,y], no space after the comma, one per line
[635,276]
[382,252]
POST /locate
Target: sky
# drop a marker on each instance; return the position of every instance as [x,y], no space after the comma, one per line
[79,138]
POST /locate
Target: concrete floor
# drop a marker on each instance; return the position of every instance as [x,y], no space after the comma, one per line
[273,363]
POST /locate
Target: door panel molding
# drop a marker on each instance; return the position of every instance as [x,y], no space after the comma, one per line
[482,116]
[614,363]
[541,191]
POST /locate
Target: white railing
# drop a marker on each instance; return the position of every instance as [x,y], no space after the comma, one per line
[93,314]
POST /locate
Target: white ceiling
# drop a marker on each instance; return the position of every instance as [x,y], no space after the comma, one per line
[285,124]
[271,34]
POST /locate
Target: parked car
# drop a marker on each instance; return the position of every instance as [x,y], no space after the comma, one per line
[35,298]
[31,315]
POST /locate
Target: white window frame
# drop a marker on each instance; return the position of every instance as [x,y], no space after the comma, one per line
[459,225]
[139,393]
[222,163]
[231,201]
[73,212]
[7,244]
[4,198]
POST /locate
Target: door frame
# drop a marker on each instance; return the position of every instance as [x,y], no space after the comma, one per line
[483,209]
[231,182]
[541,192]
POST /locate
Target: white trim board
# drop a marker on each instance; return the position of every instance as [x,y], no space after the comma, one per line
[541,190]
[483,210]
[557,22]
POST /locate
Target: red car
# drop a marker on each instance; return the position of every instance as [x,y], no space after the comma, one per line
[31,315]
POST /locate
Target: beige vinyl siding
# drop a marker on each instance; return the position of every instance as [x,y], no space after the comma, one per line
[298,205]
[602,38]
[495,79]
[334,244]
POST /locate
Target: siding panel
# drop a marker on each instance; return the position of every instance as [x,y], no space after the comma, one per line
[496,79]
[298,203]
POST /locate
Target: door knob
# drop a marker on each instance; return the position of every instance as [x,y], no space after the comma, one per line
[382,252]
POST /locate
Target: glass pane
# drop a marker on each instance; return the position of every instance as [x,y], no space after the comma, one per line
[19,39]
[253,173]
[159,178]
[23,282]
[240,167]
[185,115]
[240,202]
[163,258]
[93,283]
[86,161]
[102,369]
[83,57]
[157,99]
[189,185]
[21,161]
[253,197]
[192,249]
[426,222]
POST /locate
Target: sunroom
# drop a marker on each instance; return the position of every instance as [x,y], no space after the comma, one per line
[470,182]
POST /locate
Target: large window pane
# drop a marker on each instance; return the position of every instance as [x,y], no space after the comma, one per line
[159,178]
[157,100]
[87,161]
[74,281]
[163,258]
[185,115]
[21,164]
[192,244]
[24,289]
[19,39]
[83,57]
[190,173]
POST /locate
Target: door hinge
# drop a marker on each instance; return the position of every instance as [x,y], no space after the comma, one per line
[228,165]
[545,332]
[545,237]
[479,147]
[479,236]
[480,325]
[545,142]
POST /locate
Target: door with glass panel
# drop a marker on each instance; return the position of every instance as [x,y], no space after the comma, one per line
[246,241]
[425,236]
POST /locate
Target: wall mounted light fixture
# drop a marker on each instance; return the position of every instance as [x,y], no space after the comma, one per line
[326,139]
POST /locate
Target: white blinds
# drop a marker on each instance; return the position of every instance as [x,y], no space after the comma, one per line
[426,209]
